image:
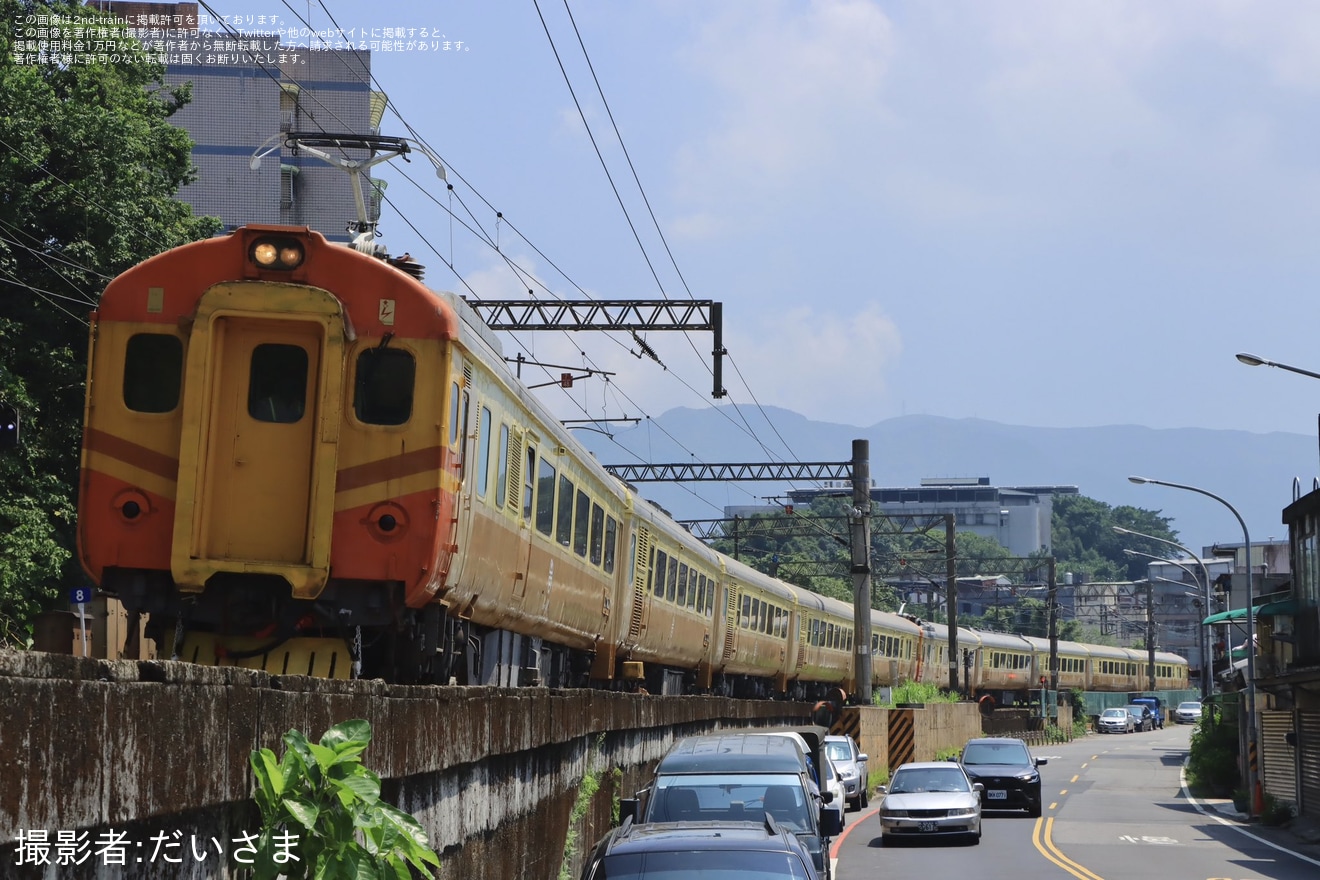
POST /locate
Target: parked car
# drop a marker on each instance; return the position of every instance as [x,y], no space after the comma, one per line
[1156,709]
[1142,717]
[1187,713]
[734,777]
[853,768]
[1006,769]
[723,849]
[1116,721]
[831,781]
[930,799]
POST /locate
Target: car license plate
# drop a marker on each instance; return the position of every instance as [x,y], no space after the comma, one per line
[996,794]
[925,826]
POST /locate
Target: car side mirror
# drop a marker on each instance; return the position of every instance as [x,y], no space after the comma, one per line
[977,787]
[831,824]
[827,797]
[882,789]
[629,808]
[1041,761]
[863,758]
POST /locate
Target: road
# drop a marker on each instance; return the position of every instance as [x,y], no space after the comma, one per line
[1114,810]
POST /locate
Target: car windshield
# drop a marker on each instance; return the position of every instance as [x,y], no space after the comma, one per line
[928,779]
[996,753]
[1189,707]
[719,797]
[838,751]
[1114,713]
[719,865]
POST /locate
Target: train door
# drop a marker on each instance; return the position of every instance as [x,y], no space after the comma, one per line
[256,495]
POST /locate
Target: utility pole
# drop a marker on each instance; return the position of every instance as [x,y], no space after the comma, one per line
[1054,630]
[951,596]
[860,523]
[1150,631]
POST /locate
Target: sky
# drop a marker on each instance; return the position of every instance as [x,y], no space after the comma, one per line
[1038,213]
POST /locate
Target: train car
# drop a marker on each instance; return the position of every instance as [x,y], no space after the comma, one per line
[299,458]
[1072,657]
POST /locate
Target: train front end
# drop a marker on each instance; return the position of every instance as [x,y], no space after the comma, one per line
[265,466]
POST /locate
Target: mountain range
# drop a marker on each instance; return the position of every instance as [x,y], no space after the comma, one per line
[1254,472]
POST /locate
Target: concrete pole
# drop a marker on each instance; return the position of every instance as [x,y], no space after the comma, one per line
[1150,631]
[951,596]
[860,533]
[1053,595]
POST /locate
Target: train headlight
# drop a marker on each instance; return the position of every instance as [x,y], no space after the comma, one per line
[282,254]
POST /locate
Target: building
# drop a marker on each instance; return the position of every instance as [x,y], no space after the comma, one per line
[246,90]
[1017,517]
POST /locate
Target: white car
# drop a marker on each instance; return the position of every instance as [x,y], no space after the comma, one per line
[1187,713]
[930,799]
[1116,721]
[831,781]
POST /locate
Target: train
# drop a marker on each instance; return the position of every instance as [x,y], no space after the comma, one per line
[297,457]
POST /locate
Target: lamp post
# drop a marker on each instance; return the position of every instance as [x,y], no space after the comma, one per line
[1205,576]
[1252,360]
[1252,738]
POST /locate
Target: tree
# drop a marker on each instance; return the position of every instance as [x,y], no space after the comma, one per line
[1085,541]
[88,179]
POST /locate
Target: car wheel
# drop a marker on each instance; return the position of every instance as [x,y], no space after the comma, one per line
[853,805]
[866,798]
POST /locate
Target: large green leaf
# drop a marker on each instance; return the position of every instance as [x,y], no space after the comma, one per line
[304,811]
[348,734]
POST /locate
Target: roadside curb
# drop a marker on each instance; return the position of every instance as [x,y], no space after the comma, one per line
[1229,816]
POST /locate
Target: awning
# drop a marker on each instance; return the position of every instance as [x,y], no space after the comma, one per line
[1269,609]
[1226,616]
[1272,609]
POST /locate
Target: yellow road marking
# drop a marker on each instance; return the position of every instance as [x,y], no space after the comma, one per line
[1040,838]
[1084,765]
[1062,793]
[1074,779]
[1053,805]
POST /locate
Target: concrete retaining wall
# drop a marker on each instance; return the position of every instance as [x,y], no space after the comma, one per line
[150,748]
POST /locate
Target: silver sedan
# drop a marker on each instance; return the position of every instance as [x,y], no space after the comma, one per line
[930,799]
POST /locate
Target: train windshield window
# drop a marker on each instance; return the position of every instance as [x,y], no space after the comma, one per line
[383,392]
[153,368]
[277,383]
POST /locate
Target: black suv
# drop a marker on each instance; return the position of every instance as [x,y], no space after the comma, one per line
[1006,769]
[680,849]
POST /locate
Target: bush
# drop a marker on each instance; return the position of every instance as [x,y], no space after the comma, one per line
[1212,763]
[1276,811]
[322,816]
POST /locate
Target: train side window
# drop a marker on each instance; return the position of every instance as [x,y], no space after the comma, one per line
[611,538]
[671,583]
[581,516]
[545,499]
[658,574]
[502,473]
[700,594]
[564,512]
[696,582]
[710,600]
[681,597]
[597,532]
[529,483]
[277,383]
[462,444]
[483,452]
[153,371]
[383,387]
[453,413]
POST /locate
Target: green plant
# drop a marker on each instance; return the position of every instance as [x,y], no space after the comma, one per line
[1212,759]
[918,692]
[948,754]
[1276,811]
[322,817]
[586,791]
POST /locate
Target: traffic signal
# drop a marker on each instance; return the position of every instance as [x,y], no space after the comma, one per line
[9,422]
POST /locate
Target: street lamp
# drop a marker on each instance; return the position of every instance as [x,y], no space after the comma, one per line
[1203,638]
[1252,360]
[1252,738]
[1207,680]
